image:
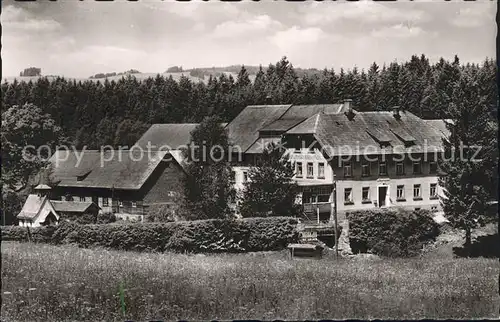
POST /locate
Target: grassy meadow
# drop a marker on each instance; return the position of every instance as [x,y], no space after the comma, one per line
[55,283]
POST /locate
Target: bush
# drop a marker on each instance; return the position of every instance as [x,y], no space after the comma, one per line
[214,235]
[106,218]
[391,232]
[161,213]
[22,234]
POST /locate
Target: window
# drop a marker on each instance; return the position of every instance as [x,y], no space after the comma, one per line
[323,198]
[366,194]
[348,196]
[299,170]
[233,177]
[433,191]
[82,198]
[245,176]
[310,170]
[105,202]
[417,168]
[417,191]
[134,204]
[347,170]
[382,168]
[400,168]
[323,194]
[432,167]
[400,193]
[321,170]
[365,170]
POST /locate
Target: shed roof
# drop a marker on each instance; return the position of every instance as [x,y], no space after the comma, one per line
[31,207]
[42,187]
[72,206]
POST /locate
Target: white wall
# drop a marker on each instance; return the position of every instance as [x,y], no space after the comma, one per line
[357,188]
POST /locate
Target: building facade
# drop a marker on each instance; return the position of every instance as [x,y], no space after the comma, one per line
[376,159]
[127,183]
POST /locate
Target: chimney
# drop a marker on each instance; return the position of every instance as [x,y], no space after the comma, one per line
[395,112]
[348,111]
[348,105]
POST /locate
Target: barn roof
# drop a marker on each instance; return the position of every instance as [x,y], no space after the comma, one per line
[282,125]
[169,136]
[72,206]
[369,132]
[243,130]
[31,207]
[125,169]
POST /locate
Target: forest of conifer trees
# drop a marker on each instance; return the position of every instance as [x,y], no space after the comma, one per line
[96,113]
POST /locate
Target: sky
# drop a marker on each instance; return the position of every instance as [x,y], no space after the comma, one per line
[82,38]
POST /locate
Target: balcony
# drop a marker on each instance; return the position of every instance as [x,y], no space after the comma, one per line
[316,213]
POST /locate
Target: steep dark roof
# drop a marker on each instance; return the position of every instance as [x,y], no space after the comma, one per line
[282,125]
[309,126]
[367,133]
[167,135]
[72,206]
[124,170]
[243,130]
[67,167]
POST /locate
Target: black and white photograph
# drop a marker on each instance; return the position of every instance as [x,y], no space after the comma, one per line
[255,160]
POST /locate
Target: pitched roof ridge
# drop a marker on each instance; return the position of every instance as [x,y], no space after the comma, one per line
[257,139]
[317,121]
[44,200]
[269,105]
[282,114]
[188,123]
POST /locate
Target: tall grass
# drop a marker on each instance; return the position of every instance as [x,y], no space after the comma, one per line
[43,282]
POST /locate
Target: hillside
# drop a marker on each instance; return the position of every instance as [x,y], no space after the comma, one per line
[194,74]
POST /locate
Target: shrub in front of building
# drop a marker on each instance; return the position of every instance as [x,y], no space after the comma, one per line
[36,234]
[213,235]
[106,218]
[391,232]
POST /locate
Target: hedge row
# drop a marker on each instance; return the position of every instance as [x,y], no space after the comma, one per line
[391,232]
[252,234]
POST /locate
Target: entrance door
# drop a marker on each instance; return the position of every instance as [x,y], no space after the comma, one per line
[382,194]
